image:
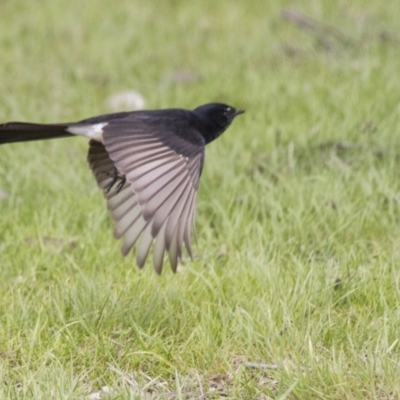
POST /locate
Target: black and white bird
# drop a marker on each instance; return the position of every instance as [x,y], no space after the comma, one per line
[148,164]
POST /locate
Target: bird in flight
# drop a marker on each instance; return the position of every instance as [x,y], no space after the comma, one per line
[148,165]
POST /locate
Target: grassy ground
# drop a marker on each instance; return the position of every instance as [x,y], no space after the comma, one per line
[297,266]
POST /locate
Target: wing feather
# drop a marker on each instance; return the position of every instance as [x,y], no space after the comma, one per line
[156,202]
[159,249]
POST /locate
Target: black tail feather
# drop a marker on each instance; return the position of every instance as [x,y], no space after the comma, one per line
[25,131]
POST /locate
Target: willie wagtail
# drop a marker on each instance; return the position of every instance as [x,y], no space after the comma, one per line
[148,164]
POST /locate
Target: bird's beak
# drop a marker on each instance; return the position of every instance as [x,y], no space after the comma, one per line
[238,112]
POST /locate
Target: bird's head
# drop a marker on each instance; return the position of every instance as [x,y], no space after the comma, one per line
[216,118]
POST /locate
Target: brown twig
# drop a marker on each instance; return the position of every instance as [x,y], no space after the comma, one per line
[312,25]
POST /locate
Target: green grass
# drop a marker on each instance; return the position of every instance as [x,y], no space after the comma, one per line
[297,262]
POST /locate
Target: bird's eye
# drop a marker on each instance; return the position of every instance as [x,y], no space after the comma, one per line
[227,111]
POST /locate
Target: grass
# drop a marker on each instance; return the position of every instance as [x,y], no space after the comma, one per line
[298,217]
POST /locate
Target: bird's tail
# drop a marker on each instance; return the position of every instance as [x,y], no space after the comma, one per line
[25,131]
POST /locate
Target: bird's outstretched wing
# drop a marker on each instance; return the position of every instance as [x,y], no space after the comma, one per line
[156,176]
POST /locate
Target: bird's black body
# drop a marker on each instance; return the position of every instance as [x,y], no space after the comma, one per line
[156,157]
